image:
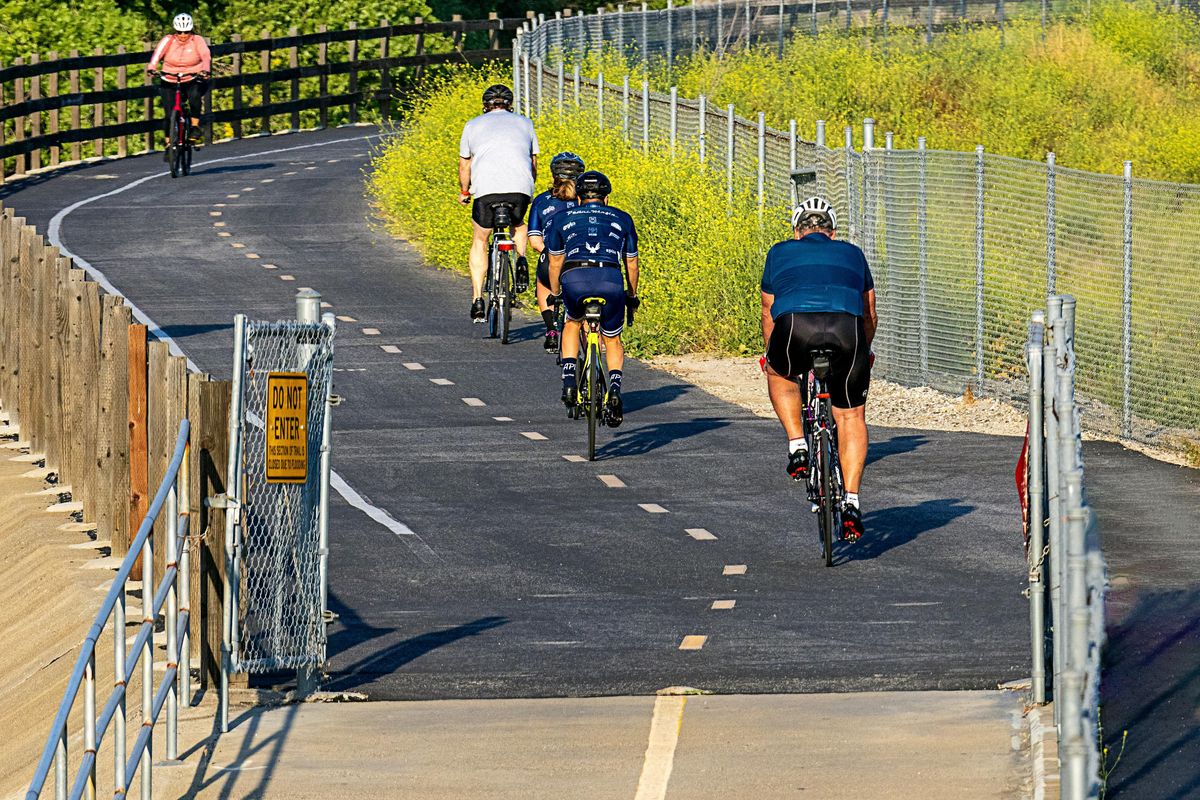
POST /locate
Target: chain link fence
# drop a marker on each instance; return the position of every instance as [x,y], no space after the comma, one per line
[962,245]
[278,553]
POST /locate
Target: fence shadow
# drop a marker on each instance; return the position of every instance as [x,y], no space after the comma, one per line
[266,747]
[1151,688]
[889,528]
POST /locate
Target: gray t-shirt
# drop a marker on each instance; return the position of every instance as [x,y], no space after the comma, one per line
[499,144]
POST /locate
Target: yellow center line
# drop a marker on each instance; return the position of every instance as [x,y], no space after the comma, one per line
[660,750]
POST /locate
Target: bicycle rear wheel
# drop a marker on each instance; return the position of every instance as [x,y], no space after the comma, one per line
[506,298]
[826,514]
[595,396]
[175,143]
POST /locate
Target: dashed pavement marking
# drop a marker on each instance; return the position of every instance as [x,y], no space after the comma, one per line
[237,245]
[503,419]
[574,459]
[287,277]
[310,167]
[219,205]
[344,318]
[247,188]
[474,402]
[612,481]
[389,348]
[723,605]
[414,365]
[293,172]
[253,256]
[370,331]
[218,224]
[693,642]
[325,304]
[653,508]
[441,381]
[214,213]
[734,569]
[267,180]
[701,535]
[269,266]
[233,196]
[224,233]
[533,436]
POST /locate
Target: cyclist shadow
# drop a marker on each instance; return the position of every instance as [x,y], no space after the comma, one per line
[232,168]
[894,446]
[534,331]
[640,441]
[894,527]
[645,398]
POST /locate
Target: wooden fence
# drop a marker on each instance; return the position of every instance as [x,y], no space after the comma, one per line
[102,406]
[309,80]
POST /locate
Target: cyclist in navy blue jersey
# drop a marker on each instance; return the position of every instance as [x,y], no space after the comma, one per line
[818,292]
[565,168]
[588,246]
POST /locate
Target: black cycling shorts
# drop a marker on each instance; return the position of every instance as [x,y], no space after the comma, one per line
[482,211]
[543,269]
[796,334]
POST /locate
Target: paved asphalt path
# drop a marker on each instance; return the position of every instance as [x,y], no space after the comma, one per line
[528,576]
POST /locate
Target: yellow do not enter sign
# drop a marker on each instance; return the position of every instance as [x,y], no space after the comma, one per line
[287,427]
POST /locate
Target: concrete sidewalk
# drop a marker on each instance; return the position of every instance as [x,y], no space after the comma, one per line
[928,745]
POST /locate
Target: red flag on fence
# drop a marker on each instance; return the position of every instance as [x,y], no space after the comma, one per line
[1021,475]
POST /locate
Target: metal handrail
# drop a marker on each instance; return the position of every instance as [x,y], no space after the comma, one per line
[174,585]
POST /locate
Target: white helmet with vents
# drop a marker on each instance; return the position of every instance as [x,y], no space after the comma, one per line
[183,23]
[814,212]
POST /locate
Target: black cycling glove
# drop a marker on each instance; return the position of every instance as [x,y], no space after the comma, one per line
[632,303]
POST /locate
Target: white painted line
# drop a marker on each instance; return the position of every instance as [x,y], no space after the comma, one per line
[660,750]
[333,161]
[701,535]
[734,569]
[441,381]
[413,365]
[693,642]
[370,331]
[253,256]
[267,180]
[612,481]
[574,459]
[310,167]
[474,402]
[214,213]
[233,196]
[247,188]
[503,419]
[269,266]
[389,348]
[218,224]
[224,233]
[304,288]
[326,305]
[344,318]
[533,436]
[287,277]
[723,605]
[219,205]
[237,245]
[293,172]
[653,508]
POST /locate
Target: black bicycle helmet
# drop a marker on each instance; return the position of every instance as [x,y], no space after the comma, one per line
[566,165]
[497,95]
[592,185]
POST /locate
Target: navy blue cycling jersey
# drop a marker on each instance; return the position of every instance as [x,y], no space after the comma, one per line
[592,232]
[545,206]
[816,274]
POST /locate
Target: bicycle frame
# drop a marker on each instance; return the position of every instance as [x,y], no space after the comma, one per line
[500,295]
[824,481]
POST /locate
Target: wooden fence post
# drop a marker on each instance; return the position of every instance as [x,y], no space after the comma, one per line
[98,108]
[73,80]
[3,161]
[210,443]
[8,309]
[419,50]
[264,63]
[34,368]
[73,385]
[236,123]
[294,63]
[158,433]
[148,105]
[35,129]
[52,89]
[139,480]
[352,57]
[122,105]
[26,340]
[323,79]
[493,31]
[117,335]
[385,75]
[51,401]
[458,33]
[19,122]
[89,362]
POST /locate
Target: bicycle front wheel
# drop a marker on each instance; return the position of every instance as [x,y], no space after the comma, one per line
[187,159]
[826,514]
[175,143]
[594,398]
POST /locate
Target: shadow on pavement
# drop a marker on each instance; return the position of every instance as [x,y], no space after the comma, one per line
[183,331]
[267,749]
[893,527]
[231,168]
[640,441]
[894,446]
[645,398]
[1151,689]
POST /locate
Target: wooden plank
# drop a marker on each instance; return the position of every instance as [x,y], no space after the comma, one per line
[211,444]
[52,270]
[323,80]
[35,365]
[10,312]
[98,108]
[148,103]
[52,91]
[73,384]
[352,59]
[107,390]
[237,89]
[89,361]
[122,106]
[60,361]
[35,127]
[264,64]
[19,122]
[294,62]
[3,161]
[24,407]
[458,34]
[118,423]
[419,50]
[190,504]
[493,33]
[139,481]
[157,433]
[73,79]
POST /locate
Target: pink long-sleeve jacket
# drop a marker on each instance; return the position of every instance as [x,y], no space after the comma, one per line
[182,58]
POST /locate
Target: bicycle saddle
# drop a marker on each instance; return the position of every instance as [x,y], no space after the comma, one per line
[822,361]
[592,306]
[501,215]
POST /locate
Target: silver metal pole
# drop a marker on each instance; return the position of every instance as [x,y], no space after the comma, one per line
[869,197]
[540,70]
[781,29]
[791,148]
[89,723]
[621,29]
[979,271]
[326,468]
[118,722]
[703,126]
[929,24]
[820,133]
[1054,337]
[625,107]
[849,15]
[721,27]
[172,622]
[232,514]
[1035,471]
[516,71]
[922,261]
[813,15]
[525,84]
[674,118]
[148,619]
[600,100]
[575,77]
[645,116]
[1127,310]
[670,38]
[762,161]
[746,25]
[561,88]
[1051,227]
[645,40]
[60,766]
[729,159]
[868,134]
[889,139]
[848,136]
[185,580]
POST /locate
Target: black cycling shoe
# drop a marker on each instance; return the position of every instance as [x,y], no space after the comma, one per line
[551,343]
[852,524]
[612,408]
[521,281]
[570,396]
[798,465]
[477,310]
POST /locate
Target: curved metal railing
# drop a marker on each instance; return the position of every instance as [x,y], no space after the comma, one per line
[176,680]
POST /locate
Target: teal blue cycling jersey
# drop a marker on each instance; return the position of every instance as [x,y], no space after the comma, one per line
[816,274]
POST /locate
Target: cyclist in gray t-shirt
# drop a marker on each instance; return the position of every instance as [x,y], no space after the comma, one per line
[497,163]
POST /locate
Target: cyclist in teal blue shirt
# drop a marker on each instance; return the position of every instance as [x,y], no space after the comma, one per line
[818,292]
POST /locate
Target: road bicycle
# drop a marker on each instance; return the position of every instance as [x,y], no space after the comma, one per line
[591,373]
[824,481]
[179,146]
[500,273]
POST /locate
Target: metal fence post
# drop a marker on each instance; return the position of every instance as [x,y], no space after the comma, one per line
[147,657]
[1127,310]
[621,29]
[979,219]
[781,29]
[1053,340]
[674,118]
[813,16]
[171,621]
[670,38]
[89,723]
[330,322]
[695,28]
[561,88]
[729,160]
[791,153]
[600,100]
[868,196]
[721,27]
[118,737]
[929,24]
[576,79]
[516,71]
[525,84]
[645,116]
[1035,471]
[820,133]
[762,162]
[645,40]
[625,108]
[849,14]
[851,214]
[232,513]
[539,87]
[703,128]
[1051,228]
[922,260]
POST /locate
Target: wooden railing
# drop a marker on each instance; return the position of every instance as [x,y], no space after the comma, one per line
[297,80]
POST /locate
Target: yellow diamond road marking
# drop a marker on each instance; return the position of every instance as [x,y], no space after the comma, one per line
[270,266]
[612,481]
[734,569]
[218,224]
[723,605]
[224,233]
[700,535]
[253,256]
[237,245]
[233,196]
[214,213]
[693,642]
[652,508]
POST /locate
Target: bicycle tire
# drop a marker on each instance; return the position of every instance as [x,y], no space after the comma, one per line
[187,159]
[173,144]
[506,298]
[827,499]
[594,398]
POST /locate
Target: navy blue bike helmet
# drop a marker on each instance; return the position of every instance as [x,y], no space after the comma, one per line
[592,185]
[566,165]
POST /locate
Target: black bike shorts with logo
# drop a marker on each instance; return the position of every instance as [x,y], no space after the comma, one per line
[484,215]
[796,334]
[543,269]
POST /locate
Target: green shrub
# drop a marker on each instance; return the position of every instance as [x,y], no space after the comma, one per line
[700,263]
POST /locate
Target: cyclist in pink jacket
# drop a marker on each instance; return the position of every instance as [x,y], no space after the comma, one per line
[185,54]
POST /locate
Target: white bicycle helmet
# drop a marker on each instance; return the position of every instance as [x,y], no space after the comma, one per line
[817,210]
[183,23]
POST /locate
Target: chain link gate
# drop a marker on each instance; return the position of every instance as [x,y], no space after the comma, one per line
[277,496]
